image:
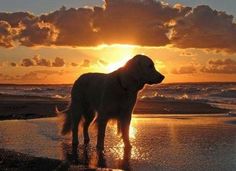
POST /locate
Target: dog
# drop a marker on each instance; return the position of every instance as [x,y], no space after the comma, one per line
[108,96]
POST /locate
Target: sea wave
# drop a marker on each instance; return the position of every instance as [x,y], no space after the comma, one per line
[226,93]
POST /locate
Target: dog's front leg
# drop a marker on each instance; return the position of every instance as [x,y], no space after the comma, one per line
[125,123]
[101,133]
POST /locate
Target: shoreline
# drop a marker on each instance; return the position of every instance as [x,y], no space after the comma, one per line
[24,107]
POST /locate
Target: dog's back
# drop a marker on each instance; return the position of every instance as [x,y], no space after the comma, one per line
[86,94]
[88,89]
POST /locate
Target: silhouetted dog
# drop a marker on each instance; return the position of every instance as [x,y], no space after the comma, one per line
[111,96]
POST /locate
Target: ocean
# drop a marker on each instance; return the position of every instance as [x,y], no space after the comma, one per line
[222,95]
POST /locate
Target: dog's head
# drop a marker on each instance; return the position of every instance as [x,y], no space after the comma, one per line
[142,69]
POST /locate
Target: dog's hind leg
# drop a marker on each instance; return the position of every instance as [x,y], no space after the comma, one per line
[89,116]
[76,116]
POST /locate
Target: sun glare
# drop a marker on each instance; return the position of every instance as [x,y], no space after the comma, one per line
[117,54]
[114,66]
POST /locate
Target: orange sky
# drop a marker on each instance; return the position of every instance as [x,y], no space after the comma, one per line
[187,44]
[178,65]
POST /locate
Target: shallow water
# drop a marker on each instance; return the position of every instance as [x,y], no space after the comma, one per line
[159,143]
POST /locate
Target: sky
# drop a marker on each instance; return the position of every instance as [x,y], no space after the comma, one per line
[54,42]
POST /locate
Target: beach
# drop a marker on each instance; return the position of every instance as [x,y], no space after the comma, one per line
[178,128]
[159,143]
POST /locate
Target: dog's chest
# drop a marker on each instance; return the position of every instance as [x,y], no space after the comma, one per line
[116,102]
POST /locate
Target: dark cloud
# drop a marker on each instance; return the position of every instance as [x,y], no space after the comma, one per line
[27,62]
[13,64]
[38,61]
[188,69]
[41,61]
[204,27]
[220,66]
[58,62]
[139,22]
[6,34]
[26,29]
[86,63]
[74,25]
[38,33]
[17,18]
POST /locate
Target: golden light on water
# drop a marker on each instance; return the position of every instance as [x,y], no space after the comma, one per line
[132,132]
[119,150]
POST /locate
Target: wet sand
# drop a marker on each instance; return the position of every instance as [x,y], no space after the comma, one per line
[21,107]
[178,142]
[11,160]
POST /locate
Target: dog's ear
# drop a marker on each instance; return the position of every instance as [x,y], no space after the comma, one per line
[130,73]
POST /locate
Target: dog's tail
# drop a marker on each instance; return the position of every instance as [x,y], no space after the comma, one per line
[67,119]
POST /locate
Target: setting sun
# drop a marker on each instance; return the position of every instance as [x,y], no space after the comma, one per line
[117,55]
[121,54]
[114,66]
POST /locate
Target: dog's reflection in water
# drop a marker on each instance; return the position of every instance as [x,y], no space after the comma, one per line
[92,157]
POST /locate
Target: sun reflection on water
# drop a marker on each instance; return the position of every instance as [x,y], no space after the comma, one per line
[119,151]
[132,132]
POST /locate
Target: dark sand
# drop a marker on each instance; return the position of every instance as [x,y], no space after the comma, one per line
[21,107]
[11,160]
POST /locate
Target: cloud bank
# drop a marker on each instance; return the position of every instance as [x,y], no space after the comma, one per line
[188,69]
[38,61]
[139,22]
[220,66]
[212,66]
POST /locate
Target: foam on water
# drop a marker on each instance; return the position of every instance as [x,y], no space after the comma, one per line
[223,94]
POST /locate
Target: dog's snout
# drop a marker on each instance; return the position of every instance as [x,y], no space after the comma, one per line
[162,77]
